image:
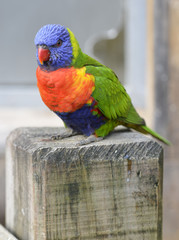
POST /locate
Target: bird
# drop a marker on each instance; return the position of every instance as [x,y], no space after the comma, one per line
[84,93]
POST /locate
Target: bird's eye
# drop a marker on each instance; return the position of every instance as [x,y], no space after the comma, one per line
[58,44]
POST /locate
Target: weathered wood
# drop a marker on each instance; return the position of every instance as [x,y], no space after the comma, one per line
[171,189]
[106,190]
[5,235]
[161,73]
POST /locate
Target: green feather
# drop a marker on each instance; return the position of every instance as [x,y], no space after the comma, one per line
[154,134]
[112,99]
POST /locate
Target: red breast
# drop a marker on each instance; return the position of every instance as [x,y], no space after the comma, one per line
[65,90]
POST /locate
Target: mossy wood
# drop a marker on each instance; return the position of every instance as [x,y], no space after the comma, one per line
[106,190]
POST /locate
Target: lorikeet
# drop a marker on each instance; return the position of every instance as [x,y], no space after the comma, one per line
[84,93]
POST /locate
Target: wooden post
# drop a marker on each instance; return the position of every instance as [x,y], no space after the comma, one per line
[161,60]
[106,190]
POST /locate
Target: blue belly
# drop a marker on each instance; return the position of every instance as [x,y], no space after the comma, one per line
[83,120]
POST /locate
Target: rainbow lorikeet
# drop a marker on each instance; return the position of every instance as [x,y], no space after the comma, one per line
[84,93]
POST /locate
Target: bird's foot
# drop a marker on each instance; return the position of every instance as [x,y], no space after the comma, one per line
[89,140]
[67,133]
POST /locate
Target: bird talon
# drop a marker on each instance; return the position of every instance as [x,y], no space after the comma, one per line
[56,137]
[67,133]
[89,140]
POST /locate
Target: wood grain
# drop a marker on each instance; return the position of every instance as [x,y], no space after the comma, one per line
[107,190]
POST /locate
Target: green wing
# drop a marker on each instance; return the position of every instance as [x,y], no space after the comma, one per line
[112,98]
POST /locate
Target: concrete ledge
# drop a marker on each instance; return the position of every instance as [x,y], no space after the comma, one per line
[5,235]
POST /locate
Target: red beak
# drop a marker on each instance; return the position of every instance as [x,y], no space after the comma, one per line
[43,54]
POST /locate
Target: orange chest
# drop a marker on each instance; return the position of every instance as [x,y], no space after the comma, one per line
[65,90]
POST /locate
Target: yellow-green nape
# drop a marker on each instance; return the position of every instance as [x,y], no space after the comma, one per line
[75,46]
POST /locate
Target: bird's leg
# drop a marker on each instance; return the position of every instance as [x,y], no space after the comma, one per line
[89,139]
[67,133]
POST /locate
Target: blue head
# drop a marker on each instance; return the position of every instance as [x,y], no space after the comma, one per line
[55,47]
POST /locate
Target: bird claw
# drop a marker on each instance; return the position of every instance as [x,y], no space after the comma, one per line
[89,140]
[56,137]
[67,133]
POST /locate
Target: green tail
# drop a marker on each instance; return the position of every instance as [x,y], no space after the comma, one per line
[154,134]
